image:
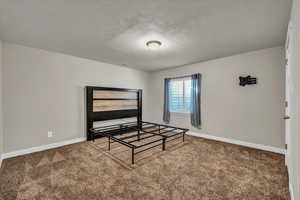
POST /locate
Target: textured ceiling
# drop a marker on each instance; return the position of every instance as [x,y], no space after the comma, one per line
[115,31]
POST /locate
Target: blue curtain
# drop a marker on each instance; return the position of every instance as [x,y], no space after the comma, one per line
[196,100]
[166,116]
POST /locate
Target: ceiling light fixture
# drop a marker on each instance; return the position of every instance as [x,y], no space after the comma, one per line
[153,44]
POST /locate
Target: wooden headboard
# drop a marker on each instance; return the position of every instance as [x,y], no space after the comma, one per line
[104,103]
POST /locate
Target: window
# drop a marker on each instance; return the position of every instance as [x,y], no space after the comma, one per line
[180,95]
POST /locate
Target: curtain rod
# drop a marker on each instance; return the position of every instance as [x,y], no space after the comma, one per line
[178,77]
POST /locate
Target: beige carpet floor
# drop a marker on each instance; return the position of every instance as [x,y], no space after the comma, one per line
[196,169]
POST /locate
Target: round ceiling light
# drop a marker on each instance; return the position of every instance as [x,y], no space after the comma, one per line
[153,44]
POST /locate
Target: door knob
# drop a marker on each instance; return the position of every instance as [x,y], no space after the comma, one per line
[286,117]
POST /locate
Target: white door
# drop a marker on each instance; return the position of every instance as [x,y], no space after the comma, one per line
[288,91]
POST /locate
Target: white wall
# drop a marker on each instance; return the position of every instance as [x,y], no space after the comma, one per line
[1,124]
[294,146]
[251,114]
[45,91]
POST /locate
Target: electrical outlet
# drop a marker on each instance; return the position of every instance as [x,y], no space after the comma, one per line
[50,133]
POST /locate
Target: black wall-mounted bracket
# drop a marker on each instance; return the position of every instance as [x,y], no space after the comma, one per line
[247,80]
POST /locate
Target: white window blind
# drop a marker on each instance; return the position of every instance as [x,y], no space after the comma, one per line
[180,95]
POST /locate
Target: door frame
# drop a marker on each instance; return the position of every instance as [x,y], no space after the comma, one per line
[288,91]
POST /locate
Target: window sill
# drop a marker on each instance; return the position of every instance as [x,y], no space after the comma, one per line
[180,112]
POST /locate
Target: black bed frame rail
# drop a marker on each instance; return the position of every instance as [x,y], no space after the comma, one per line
[145,130]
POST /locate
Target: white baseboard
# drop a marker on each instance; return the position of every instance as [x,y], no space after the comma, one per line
[42,148]
[291,191]
[76,140]
[238,142]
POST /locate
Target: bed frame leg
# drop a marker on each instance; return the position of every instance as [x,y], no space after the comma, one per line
[183,137]
[132,156]
[138,136]
[164,144]
[108,143]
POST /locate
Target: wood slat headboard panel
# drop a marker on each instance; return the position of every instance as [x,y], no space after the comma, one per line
[109,105]
[104,103]
[102,94]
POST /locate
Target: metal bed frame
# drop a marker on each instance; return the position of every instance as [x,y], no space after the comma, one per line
[145,130]
[147,135]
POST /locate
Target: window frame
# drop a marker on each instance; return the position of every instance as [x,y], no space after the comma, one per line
[187,112]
